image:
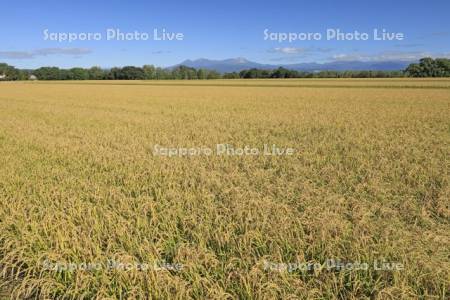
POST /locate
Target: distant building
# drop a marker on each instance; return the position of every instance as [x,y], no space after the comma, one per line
[2,76]
[32,77]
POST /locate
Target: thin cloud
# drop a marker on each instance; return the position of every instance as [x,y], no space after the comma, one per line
[299,50]
[286,59]
[409,45]
[160,52]
[438,34]
[387,56]
[294,54]
[289,50]
[77,52]
[62,51]
[441,33]
[15,55]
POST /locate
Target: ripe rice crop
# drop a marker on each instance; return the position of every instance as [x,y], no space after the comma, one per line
[89,211]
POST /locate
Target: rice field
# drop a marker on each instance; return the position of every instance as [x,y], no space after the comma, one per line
[93,207]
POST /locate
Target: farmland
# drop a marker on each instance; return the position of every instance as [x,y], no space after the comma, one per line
[81,189]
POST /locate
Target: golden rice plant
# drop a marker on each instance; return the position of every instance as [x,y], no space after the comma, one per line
[81,188]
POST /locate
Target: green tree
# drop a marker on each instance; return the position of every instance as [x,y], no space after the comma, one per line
[96,73]
[213,75]
[149,72]
[232,75]
[79,74]
[428,67]
[47,73]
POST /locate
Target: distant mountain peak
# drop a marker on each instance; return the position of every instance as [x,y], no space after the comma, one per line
[237,60]
[240,63]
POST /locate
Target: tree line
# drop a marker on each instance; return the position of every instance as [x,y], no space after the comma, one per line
[427,67]
[10,73]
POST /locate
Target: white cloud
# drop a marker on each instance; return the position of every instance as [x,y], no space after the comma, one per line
[15,54]
[290,50]
[412,45]
[387,56]
[161,52]
[300,50]
[44,52]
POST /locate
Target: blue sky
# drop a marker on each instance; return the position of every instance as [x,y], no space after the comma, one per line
[218,30]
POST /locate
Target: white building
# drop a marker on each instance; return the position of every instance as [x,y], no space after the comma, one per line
[32,77]
[2,76]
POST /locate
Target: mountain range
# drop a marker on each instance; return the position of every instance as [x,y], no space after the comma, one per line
[239,64]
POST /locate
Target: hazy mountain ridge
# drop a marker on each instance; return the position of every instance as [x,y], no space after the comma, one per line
[240,63]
